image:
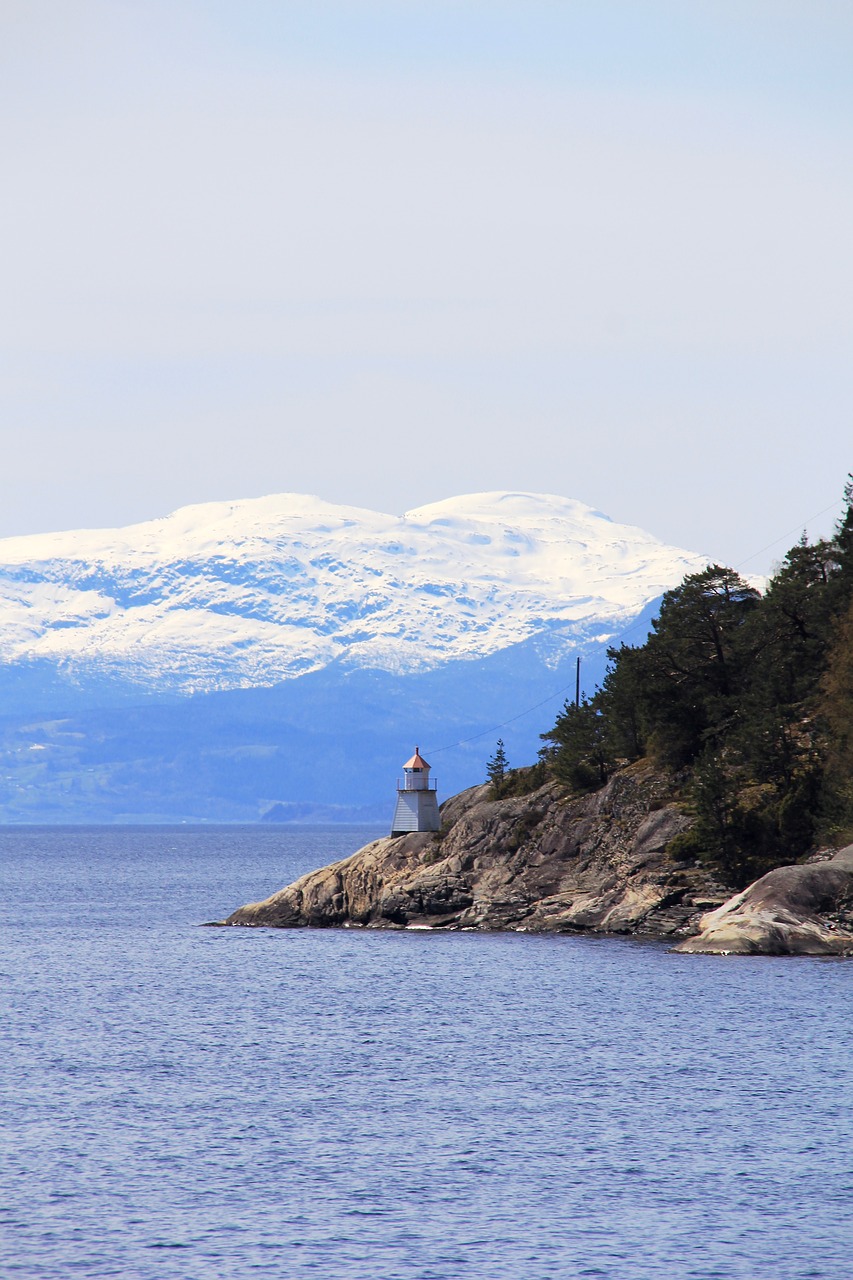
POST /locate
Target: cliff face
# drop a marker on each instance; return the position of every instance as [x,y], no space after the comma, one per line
[540,862]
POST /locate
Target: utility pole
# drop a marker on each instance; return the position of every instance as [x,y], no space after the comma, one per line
[578,683]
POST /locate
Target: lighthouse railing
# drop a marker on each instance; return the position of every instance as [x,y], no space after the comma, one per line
[432,785]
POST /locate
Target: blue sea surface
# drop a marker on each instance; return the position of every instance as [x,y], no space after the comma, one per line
[222,1103]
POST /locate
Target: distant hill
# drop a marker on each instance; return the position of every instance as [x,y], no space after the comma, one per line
[284,651]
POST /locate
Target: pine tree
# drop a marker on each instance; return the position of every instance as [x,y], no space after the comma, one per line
[497,768]
[844,549]
[694,663]
[581,754]
[837,708]
[621,701]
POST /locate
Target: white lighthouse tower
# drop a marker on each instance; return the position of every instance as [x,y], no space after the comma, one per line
[417,803]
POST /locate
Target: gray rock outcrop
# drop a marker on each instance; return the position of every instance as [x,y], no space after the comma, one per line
[539,862]
[798,910]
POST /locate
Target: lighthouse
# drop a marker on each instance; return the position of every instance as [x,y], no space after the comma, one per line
[417,804]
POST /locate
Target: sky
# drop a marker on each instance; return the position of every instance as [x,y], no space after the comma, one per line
[393,252]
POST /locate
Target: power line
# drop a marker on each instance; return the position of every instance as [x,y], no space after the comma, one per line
[434,751]
[799,527]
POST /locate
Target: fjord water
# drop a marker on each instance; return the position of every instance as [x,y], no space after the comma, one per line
[188,1102]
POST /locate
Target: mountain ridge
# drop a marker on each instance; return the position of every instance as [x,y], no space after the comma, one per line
[235,656]
[232,594]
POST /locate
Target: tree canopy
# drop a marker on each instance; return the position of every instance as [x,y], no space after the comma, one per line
[748,696]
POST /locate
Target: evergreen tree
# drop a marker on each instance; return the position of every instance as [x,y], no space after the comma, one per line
[695,662]
[622,703]
[580,752]
[843,542]
[718,818]
[789,637]
[837,710]
[497,768]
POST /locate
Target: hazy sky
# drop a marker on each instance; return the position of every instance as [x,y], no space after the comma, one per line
[392,252]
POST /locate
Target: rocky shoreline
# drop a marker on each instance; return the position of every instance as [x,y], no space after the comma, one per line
[549,862]
[798,910]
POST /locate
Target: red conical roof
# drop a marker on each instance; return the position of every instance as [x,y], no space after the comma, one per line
[417,761]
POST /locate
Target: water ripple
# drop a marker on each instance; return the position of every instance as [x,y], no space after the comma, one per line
[353,1105]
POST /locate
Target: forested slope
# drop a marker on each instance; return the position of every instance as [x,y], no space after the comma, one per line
[745,699]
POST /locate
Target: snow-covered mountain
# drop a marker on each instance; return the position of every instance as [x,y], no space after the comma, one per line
[240,594]
[283,655]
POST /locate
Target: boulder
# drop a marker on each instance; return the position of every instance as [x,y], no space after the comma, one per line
[797,910]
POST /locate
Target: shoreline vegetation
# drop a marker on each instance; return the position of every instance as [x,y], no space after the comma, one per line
[704,793]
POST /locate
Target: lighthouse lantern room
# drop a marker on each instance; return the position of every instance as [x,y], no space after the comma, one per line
[417,801]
